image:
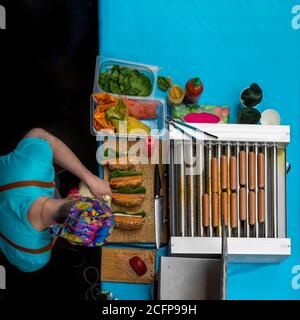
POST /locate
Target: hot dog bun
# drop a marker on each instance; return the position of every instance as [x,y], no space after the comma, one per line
[128,200]
[131,182]
[128,221]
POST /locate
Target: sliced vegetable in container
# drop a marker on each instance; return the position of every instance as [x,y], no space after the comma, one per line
[105,102]
[135,126]
[142,109]
[125,81]
[126,116]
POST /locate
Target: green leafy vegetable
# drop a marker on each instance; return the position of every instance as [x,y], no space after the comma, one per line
[124,173]
[163,83]
[182,110]
[118,112]
[128,190]
[126,81]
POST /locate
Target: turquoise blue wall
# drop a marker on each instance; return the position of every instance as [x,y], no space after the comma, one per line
[229,44]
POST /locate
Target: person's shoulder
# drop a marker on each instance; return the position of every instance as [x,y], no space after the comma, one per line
[33,142]
[35,148]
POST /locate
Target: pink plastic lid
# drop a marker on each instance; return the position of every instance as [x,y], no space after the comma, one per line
[202,117]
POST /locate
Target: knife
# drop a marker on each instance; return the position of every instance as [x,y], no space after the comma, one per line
[158,206]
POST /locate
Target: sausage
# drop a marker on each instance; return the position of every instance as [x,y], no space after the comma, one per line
[233,210]
[242,168]
[215,210]
[243,204]
[224,207]
[214,174]
[233,181]
[261,170]
[251,198]
[205,210]
[261,206]
[251,171]
[224,173]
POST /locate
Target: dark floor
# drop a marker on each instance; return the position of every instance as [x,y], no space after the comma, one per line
[47,60]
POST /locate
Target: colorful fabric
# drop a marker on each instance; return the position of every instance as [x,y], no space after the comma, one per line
[89,223]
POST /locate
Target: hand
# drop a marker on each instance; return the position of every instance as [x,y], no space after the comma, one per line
[98,187]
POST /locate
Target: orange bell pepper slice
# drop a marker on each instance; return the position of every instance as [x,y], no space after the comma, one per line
[106,101]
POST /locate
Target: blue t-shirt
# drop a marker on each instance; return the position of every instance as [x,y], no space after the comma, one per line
[31,160]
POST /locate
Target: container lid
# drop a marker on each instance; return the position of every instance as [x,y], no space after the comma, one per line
[270,117]
[197,81]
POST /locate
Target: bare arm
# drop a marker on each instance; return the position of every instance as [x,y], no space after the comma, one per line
[64,157]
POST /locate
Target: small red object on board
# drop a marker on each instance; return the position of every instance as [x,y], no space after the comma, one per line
[138,265]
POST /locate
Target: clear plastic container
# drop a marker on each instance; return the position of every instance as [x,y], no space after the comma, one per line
[103,64]
[157,125]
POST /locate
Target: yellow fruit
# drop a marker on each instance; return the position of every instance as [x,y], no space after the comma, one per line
[135,126]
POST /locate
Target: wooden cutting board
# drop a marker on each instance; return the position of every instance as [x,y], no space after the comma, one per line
[116,268]
[147,233]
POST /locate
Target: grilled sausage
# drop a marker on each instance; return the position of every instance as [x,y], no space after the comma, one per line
[224,173]
[205,210]
[261,170]
[233,210]
[261,206]
[242,168]
[243,204]
[215,210]
[252,211]
[233,182]
[251,171]
[214,174]
[224,207]
[131,182]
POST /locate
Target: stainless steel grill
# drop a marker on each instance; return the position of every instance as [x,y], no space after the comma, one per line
[241,176]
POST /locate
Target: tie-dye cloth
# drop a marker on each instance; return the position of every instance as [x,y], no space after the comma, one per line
[89,223]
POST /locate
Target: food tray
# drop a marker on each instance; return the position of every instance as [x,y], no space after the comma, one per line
[107,63]
[157,125]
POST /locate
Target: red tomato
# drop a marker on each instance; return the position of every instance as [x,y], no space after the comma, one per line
[142,110]
[138,265]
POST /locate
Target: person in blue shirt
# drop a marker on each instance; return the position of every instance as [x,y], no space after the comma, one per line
[26,212]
